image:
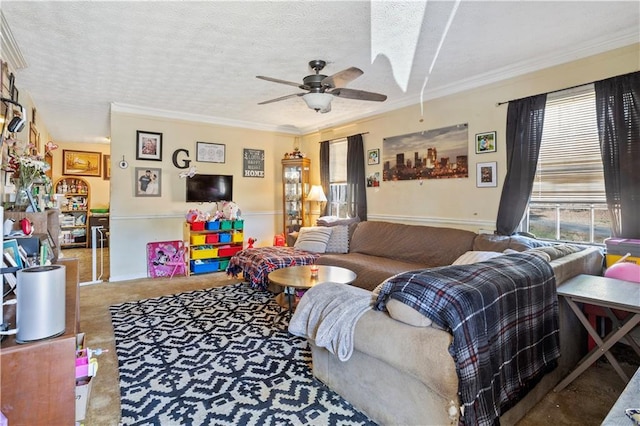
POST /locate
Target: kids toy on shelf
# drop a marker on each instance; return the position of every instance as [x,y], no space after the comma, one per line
[251,242]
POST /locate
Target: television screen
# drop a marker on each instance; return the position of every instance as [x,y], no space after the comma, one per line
[209,188]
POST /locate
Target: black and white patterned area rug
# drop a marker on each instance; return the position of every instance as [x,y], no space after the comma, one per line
[220,356]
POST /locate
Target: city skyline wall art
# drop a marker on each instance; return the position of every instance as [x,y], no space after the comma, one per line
[441,153]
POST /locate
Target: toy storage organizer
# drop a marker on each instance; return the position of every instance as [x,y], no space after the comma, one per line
[212,244]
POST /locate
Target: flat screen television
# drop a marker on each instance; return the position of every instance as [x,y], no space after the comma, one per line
[209,188]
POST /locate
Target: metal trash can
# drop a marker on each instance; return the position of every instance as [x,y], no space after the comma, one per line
[40,311]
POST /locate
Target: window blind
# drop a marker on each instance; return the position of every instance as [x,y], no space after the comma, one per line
[569,164]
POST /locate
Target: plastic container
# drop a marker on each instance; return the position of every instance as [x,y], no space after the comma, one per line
[237,237]
[228,251]
[226,225]
[197,239]
[202,266]
[211,239]
[203,252]
[212,225]
[238,224]
[225,237]
[197,226]
[619,247]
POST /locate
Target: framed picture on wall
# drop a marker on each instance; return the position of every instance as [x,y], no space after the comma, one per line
[486,174]
[373,156]
[106,167]
[210,152]
[148,146]
[81,163]
[485,142]
[148,182]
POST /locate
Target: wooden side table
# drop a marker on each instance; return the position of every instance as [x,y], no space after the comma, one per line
[609,294]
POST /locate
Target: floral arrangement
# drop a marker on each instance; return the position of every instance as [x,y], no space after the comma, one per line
[26,168]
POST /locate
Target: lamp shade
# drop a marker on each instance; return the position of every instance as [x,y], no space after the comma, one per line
[318,101]
[316,194]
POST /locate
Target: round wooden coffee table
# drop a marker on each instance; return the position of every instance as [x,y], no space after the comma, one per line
[299,278]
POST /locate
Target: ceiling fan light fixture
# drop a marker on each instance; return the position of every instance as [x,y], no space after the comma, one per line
[318,101]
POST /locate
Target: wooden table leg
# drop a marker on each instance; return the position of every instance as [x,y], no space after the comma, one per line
[603,346]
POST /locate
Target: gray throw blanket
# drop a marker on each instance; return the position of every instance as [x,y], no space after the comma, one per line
[327,314]
[503,314]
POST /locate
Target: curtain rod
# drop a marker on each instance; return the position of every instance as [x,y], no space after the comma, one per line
[344,137]
[548,93]
[572,87]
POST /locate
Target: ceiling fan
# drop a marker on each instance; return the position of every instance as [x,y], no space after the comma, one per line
[321,89]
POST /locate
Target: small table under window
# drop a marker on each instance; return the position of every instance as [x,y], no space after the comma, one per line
[608,293]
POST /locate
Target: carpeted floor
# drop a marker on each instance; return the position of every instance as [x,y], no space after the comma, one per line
[584,402]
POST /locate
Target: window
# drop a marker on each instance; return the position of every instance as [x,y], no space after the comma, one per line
[568,200]
[338,179]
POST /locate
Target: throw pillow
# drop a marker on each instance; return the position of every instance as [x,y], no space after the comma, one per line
[475,256]
[339,240]
[406,314]
[313,239]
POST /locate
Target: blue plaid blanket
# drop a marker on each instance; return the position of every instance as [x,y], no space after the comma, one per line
[503,315]
[256,263]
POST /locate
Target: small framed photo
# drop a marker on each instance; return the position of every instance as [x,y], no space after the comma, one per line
[486,174]
[485,142]
[106,167]
[149,146]
[148,182]
[373,156]
[210,152]
[81,163]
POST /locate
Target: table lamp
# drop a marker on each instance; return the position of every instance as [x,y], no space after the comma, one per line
[316,194]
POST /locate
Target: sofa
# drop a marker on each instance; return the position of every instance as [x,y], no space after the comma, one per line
[400,370]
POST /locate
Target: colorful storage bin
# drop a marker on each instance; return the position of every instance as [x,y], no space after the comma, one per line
[202,266]
[226,224]
[212,238]
[197,239]
[197,226]
[619,247]
[237,237]
[203,252]
[224,264]
[228,251]
[225,237]
[212,225]
[238,224]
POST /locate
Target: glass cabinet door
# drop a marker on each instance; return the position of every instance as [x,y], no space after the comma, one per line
[295,182]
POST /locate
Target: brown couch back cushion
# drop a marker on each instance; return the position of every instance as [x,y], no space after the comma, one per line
[427,245]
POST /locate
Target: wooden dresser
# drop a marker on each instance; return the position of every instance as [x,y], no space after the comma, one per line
[37,379]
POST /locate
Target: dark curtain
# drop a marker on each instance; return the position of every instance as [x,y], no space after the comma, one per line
[617,108]
[525,118]
[324,174]
[357,193]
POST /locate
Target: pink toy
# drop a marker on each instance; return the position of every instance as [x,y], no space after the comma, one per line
[624,271]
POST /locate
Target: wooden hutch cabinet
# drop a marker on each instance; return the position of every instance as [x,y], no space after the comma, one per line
[295,187]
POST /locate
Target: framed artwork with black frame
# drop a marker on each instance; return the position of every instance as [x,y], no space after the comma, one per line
[148,182]
[487,174]
[210,152]
[485,142]
[148,145]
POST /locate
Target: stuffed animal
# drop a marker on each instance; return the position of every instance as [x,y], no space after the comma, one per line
[230,210]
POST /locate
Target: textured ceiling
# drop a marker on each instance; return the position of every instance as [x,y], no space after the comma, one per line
[201,58]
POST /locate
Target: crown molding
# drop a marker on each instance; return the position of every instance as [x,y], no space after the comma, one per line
[198,118]
[10,50]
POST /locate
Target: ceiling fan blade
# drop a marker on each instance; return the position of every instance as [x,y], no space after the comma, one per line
[342,78]
[289,83]
[360,95]
[282,98]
